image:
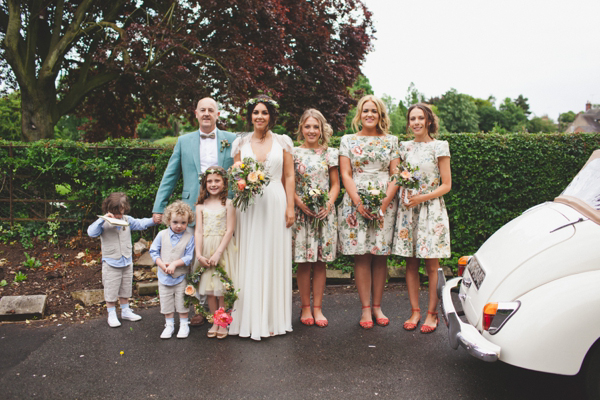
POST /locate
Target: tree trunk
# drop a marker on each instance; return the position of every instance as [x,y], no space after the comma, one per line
[37,121]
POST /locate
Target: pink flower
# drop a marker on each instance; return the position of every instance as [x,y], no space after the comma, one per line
[357,150]
[351,221]
[405,175]
[424,250]
[439,229]
[221,318]
[354,242]
[310,253]
[374,250]
[301,168]
[237,164]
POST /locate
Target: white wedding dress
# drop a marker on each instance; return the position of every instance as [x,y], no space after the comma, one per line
[264,306]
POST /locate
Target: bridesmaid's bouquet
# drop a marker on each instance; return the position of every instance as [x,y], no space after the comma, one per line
[315,199]
[247,180]
[372,198]
[409,178]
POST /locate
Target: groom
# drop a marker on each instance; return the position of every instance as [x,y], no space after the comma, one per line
[193,154]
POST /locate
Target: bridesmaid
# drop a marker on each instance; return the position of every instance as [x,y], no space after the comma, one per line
[369,156]
[316,167]
[422,227]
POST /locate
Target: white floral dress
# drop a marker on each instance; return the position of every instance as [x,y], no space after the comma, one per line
[214,226]
[370,157]
[424,231]
[310,244]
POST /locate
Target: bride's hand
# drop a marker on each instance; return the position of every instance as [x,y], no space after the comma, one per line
[289,217]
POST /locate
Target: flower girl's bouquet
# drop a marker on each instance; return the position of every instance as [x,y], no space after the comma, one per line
[371,198]
[247,180]
[315,199]
[409,178]
[221,317]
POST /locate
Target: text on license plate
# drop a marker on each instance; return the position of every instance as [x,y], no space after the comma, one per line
[476,272]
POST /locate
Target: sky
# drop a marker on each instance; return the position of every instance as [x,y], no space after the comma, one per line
[545,50]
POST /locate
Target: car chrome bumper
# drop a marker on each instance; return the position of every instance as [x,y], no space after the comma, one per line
[459,332]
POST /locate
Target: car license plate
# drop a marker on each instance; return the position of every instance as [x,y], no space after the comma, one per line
[477,273]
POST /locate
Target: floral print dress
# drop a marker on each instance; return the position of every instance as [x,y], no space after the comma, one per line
[312,171]
[370,157]
[424,231]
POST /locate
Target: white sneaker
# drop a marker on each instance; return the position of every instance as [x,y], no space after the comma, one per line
[113,321]
[184,330]
[167,332]
[127,314]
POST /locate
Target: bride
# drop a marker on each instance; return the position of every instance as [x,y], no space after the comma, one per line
[264,306]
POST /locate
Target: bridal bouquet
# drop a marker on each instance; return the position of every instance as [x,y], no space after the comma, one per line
[247,180]
[372,198]
[409,178]
[315,199]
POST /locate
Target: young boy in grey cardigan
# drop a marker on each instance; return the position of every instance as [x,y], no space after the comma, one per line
[117,255]
[173,251]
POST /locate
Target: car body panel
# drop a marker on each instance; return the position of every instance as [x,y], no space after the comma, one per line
[543,270]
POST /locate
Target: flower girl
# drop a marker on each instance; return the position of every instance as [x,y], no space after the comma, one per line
[214,250]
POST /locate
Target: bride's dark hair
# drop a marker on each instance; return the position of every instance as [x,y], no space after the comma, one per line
[271,108]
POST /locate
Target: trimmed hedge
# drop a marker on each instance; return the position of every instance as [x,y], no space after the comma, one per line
[494,177]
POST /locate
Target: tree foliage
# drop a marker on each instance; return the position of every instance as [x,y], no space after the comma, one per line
[128,58]
[565,119]
[10,116]
[458,112]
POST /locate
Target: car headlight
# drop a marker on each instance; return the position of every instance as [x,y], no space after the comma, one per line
[495,315]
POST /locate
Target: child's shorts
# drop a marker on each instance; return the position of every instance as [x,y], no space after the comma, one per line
[117,281]
[171,298]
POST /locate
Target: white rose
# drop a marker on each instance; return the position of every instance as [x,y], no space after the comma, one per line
[374,192]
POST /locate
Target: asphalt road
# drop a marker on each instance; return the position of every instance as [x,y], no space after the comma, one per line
[83,361]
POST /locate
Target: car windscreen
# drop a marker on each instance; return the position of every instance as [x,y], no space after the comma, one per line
[586,185]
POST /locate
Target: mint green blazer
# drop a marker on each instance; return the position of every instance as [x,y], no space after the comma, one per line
[186,160]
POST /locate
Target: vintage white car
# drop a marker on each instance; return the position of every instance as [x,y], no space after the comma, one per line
[530,296]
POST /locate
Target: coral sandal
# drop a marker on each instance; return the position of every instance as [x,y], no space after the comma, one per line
[384,321]
[427,328]
[321,323]
[307,321]
[366,324]
[409,326]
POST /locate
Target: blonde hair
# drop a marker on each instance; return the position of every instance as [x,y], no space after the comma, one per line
[179,208]
[324,127]
[384,123]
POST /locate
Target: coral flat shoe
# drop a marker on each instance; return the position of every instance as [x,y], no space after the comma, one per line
[307,321]
[409,326]
[321,323]
[384,321]
[366,324]
[427,328]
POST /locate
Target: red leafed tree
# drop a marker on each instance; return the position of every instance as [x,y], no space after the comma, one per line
[114,61]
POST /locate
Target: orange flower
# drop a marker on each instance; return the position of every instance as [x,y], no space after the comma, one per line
[190,290]
[241,184]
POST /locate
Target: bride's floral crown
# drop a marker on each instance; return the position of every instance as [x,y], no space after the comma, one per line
[266,101]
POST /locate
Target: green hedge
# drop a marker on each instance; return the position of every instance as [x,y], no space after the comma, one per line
[494,177]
